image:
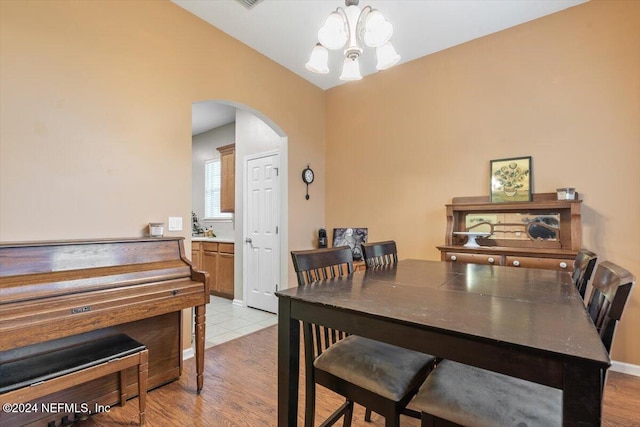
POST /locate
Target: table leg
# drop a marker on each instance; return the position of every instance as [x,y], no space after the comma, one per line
[200,334]
[582,395]
[288,365]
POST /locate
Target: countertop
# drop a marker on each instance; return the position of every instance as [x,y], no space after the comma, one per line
[213,239]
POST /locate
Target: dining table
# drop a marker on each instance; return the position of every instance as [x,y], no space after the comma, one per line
[522,322]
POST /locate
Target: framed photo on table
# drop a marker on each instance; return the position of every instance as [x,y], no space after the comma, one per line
[510,180]
[352,237]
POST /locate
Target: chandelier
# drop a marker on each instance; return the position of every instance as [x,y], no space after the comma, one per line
[350,28]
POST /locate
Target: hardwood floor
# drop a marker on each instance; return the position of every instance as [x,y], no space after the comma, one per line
[240,389]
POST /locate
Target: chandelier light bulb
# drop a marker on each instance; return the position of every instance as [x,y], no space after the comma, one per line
[318,63]
[351,70]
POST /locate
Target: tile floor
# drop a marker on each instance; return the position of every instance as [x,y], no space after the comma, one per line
[226,321]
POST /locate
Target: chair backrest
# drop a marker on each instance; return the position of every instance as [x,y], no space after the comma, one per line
[312,266]
[611,287]
[380,253]
[582,269]
[319,264]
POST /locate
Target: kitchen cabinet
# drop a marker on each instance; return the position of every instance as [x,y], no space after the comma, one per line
[196,260]
[225,268]
[217,259]
[227,177]
[543,233]
[210,264]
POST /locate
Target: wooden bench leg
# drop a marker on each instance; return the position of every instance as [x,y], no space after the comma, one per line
[143,371]
[123,387]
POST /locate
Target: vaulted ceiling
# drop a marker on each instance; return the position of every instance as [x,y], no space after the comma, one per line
[286,31]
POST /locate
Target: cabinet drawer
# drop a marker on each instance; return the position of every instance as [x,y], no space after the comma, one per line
[473,258]
[195,246]
[225,247]
[544,263]
[210,246]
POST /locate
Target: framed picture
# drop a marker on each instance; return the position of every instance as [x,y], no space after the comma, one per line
[352,237]
[511,180]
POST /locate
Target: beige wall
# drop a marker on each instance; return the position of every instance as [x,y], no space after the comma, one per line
[95,125]
[564,89]
[95,112]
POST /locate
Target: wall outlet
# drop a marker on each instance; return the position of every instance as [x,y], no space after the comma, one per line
[175,223]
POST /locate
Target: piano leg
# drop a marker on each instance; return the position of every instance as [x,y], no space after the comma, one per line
[200,333]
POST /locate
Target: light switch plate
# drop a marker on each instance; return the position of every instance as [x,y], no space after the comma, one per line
[175,223]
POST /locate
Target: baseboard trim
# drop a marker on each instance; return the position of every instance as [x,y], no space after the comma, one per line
[238,302]
[188,353]
[625,368]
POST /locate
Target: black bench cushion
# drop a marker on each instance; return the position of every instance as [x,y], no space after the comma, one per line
[45,366]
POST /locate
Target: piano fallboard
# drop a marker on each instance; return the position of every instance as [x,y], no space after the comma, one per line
[32,321]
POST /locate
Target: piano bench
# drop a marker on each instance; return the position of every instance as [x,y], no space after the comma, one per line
[36,376]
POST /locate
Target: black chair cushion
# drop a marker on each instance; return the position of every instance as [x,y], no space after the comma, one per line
[45,366]
[381,368]
[476,397]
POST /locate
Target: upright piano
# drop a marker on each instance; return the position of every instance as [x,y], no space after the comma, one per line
[55,294]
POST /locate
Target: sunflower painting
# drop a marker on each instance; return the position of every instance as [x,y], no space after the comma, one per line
[511,180]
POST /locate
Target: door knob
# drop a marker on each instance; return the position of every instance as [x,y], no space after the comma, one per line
[248,240]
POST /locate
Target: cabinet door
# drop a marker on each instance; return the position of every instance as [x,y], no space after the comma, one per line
[195,259]
[544,263]
[227,178]
[196,255]
[210,265]
[490,259]
[225,273]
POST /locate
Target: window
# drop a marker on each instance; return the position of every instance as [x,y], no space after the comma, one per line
[212,190]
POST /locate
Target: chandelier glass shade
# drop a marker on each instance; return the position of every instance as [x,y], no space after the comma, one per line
[349,29]
[351,70]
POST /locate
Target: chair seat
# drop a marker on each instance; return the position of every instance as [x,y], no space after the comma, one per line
[381,368]
[476,397]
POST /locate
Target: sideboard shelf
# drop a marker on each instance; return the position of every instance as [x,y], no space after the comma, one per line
[555,253]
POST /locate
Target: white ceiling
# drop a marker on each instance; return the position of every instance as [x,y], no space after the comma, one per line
[286,31]
[207,115]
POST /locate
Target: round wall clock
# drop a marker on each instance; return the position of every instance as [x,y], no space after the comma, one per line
[307,178]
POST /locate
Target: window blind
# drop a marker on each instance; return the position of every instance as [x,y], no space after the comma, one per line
[212,171]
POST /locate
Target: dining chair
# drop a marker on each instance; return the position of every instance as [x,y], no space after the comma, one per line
[582,269]
[380,253]
[458,394]
[379,376]
[375,255]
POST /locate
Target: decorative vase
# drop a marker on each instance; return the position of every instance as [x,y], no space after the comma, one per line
[510,191]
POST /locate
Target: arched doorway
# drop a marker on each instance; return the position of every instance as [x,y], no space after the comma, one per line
[256,137]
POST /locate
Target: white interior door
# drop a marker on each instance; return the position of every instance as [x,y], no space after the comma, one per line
[262,238]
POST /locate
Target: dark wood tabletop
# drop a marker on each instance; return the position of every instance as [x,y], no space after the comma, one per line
[526,323]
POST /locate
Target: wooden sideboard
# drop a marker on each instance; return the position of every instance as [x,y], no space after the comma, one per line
[543,233]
